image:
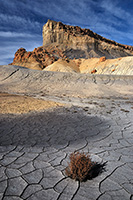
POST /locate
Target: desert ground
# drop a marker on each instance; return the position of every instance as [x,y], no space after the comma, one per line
[45,116]
[16,104]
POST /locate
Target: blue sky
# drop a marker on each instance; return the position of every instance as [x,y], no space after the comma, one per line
[21,21]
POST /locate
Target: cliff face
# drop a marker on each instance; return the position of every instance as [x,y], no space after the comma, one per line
[77,42]
[69,42]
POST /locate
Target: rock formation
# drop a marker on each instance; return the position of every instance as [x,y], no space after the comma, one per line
[82,42]
[39,58]
[68,43]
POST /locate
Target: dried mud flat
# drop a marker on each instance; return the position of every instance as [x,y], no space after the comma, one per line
[16,104]
[85,113]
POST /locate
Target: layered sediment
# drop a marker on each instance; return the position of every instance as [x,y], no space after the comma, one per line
[74,49]
[82,42]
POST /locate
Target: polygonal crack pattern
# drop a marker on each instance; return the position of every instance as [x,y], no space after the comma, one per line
[35,149]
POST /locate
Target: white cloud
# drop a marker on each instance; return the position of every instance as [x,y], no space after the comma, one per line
[69,11]
[18,21]
[15,34]
[113,8]
[9,45]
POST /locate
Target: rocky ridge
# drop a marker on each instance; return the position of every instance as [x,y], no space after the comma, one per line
[70,44]
[39,58]
[82,43]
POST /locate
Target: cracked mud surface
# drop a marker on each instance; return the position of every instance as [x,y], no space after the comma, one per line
[35,147]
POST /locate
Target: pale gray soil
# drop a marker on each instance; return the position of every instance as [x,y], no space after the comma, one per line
[35,147]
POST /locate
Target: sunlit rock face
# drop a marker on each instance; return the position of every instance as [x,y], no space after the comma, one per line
[71,43]
[82,42]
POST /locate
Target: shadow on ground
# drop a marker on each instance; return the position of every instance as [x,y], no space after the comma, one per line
[51,128]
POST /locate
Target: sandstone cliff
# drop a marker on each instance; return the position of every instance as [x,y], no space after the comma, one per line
[73,48]
[82,43]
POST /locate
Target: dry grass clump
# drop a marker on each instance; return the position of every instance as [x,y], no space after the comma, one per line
[80,167]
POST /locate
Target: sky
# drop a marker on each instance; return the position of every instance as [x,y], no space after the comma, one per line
[21,21]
